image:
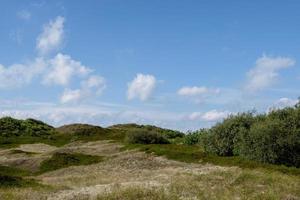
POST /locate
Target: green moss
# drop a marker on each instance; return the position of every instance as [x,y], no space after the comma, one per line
[63,160]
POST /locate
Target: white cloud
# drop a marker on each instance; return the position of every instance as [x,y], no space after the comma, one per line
[93,85]
[283,103]
[56,71]
[210,116]
[24,14]
[94,82]
[18,75]
[71,96]
[265,72]
[141,87]
[195,116]
[196,91]
[51,37]
[62,68]
[214,115]
[198,94]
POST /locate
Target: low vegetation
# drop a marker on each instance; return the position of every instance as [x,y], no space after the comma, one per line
[196,154]
[167,133]
[10,127]
[13,177]
[63,160]
[145,137]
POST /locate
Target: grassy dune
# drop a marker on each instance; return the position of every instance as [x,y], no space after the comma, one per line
[89,162]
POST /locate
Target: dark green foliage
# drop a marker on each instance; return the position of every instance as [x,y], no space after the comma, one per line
[10,127]
[62,160]
[223,137]
[276,139]
[192,138]
[269,138]
[14,131]
[145,137]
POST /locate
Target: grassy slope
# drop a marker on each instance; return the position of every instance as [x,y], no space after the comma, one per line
[63,160]
[13,177]
[195,154]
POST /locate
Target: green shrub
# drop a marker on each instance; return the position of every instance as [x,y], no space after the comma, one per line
[10,127]
[223,137]
[145,137]
[192,138]
[273,140]
[269,138]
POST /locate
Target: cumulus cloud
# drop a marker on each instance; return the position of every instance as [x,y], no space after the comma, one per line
[94,85]
[18,75]
[210,116]
[24,15]
[55,71]
[266,72]
[51,37]
[141,87]
[62,68]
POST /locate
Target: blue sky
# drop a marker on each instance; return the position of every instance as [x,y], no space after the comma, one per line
[176,64]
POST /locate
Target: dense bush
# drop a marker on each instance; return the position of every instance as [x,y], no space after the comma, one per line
[195,137]
[145,137]
[30,127]
[270,138]
[223,137]
[276,139]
